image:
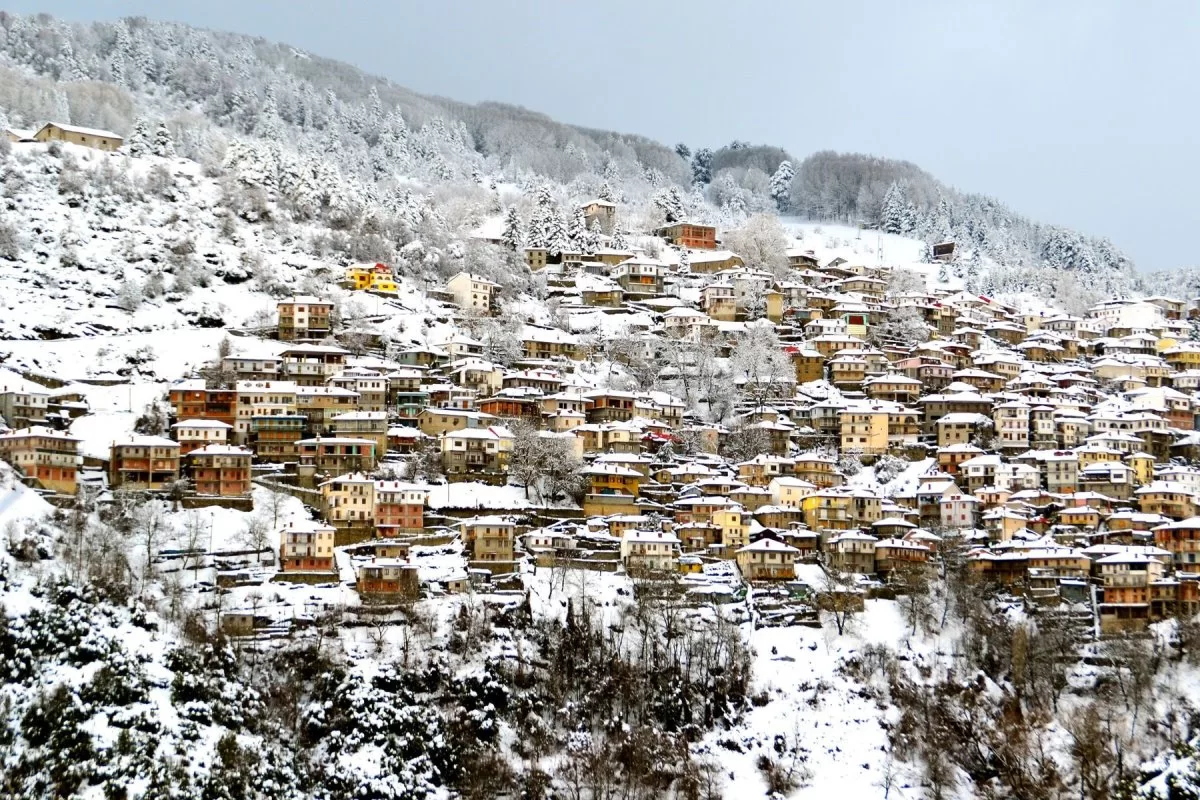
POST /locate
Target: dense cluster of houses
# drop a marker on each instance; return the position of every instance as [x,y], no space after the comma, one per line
[1052,452]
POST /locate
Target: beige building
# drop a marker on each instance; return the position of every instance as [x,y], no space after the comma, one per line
[45,457]
[74,134]
[490,541]
[473,293]
[22,402]
[143,462]
[304,317]
[865,429]
[767,560]
[349,501]
[306,546]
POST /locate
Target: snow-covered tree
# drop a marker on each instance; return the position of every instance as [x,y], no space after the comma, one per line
[781,185]
[577,232]
[592,240]
[138,142]
[892,215]
[761,242]
[670,203]
[904,326]
[513,236]
[702,166]
[163,145]
[758,360]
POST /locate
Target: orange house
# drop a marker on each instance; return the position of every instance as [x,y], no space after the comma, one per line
[687,234]
[221,470]
[399,508]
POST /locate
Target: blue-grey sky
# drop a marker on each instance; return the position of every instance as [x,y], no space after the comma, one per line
[1080,112]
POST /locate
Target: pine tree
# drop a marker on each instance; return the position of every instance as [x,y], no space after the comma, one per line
[556,233]
[685,260]
[606,193]
[163,144]
[702,165]
[781,186]
[592,240]
[543,220]
[670,203]
[138,144]
[891,213]
[683,151]
[577,231]
[514,233]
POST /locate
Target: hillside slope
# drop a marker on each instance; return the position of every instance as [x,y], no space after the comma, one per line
[376,138]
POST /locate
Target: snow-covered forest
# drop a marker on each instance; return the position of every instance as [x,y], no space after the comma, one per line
[289,122]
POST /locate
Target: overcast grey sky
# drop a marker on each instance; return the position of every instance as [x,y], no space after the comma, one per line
[1081,113]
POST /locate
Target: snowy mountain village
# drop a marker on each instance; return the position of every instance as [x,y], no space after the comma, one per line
[816,433]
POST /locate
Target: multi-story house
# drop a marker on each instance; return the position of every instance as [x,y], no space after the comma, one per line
[306,546]
[23,403]
[386,578]
[349,501]
[474,293]
[898,554]
[1011,421]
[640,278]
[261,399]
[1128,579]
[476,450]
[1168,499]
[545,343]
[273,438]
[191,399]
[853,551]
[865,429]
[437,421]
[192,434]
[894,387]
[143,462]
[370,386]
[690,235]
[960,428]
[252,368]
[490,541]
[767,560]
[650,551]
[304,317]
[320,404]
[312,364]
[46,458]
[399,508]
[336,455]
[220,470]
[363,425]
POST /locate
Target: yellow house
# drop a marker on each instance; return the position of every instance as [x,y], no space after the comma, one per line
[789,491]
[376,277]
[1182,356]
[775,305]
[611,489]
[1143,467]
[734,523]
[865,429]
[88,137]
[1168,499]
[827,510]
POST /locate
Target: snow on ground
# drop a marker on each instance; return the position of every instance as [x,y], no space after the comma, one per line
[812,702]
[904,483]
[479,495]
